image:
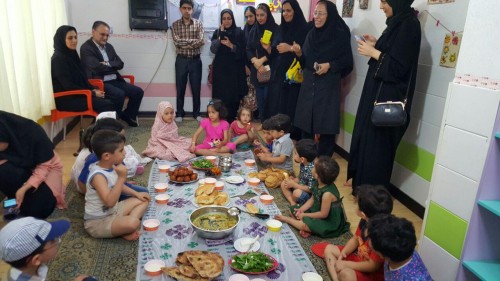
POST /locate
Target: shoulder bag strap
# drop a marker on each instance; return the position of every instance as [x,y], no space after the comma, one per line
[407,88]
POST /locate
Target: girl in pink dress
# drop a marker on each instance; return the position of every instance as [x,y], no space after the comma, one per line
[165,142]
[216,132]
[242,131]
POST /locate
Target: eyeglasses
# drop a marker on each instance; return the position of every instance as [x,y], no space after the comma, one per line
[56,243]
[104,34]
[318,14]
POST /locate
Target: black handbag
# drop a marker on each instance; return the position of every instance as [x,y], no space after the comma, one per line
[390,113]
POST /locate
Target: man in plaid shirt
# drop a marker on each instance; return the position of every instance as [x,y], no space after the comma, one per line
[188,39]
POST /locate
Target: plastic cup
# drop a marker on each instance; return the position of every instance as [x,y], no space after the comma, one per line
[163,168]
[161,187]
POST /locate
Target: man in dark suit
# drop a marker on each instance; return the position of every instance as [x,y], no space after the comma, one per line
[101,62]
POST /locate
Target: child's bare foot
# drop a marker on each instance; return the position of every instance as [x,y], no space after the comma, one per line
[282,218]
[304,234]
[132,236]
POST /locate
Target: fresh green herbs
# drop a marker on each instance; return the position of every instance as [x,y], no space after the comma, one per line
[202,164]
[252,262]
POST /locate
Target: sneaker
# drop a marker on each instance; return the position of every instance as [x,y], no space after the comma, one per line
[199,118]
[178,119]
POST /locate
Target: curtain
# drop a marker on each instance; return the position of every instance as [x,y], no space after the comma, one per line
[27,28]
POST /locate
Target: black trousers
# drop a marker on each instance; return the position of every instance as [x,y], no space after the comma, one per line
[326,145]
[184,68]
[117,90]
[38,203]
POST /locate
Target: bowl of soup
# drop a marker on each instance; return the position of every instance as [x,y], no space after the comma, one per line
[213,222]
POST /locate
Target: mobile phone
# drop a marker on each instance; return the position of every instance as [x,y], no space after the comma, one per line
[359,37]
[9,203]
[222,35]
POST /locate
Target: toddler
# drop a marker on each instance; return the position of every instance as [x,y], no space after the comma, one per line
[165,142]
[105,216]
[216,132]
[242,130]
[281,156]
[344,262]
[298,190]
[322,214]
[267,138]
[394,238]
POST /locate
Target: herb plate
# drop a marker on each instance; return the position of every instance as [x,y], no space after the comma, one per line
[232,264]
[197,164]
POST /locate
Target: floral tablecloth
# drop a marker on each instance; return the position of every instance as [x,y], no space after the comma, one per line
[176,234]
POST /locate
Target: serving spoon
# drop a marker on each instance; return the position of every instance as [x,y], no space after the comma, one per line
[234,211]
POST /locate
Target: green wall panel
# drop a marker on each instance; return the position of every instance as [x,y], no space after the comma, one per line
[445,229]
[415,159]
[410,156]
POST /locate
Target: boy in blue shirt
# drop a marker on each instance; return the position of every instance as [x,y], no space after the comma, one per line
[298,190]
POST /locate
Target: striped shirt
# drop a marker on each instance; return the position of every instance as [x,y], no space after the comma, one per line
[188,39]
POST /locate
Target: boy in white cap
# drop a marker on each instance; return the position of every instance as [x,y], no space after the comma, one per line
[27,244]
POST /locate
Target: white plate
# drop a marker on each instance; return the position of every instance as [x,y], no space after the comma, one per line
[240,248]
[235,179]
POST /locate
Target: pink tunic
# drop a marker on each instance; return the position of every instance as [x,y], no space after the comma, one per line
[239,131]
[50,172]
[213,135]
[165,142]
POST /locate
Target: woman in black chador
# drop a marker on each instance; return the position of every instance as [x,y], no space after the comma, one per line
[327,47]
[228,45]
[393,61]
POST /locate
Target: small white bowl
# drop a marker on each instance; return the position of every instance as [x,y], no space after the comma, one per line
[266,199]
[161,187]
[238,277]
[253,181]
[162,198]
[163,168]
[274,225]
[211,158]
[210,181]
[311,276]
[153,267]
[151,224]
[219,185]
[250,162]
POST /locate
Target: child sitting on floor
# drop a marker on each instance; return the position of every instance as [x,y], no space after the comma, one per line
[242,130]
[298,190]
[106,124]
[322,214]
[28,244]
[266,137]
[281,156]
[344,262]
[394,238]
[104,216]
[165,142]
[216,132]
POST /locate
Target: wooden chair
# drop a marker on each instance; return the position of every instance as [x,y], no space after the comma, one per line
[99,83]
[57,115]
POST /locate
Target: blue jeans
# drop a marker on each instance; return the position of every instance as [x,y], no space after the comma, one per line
[261,93]
[134,187]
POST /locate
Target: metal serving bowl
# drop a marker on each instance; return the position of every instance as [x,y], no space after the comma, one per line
[212,234]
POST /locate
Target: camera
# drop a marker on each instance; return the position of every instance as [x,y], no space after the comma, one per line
[10,211]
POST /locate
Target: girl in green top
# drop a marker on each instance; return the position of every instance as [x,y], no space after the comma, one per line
[322,214]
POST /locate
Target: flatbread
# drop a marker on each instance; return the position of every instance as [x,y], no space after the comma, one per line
[189,271]
[204,189]
[205,266]
[205,199]
[174,272]
[182,259]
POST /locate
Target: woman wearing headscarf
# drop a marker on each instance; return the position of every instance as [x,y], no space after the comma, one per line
[393,62]
[262,54]
[282,96]
[68,74]
[228,45]
[250,18]
[30,169]
[165,142]
[327,46]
